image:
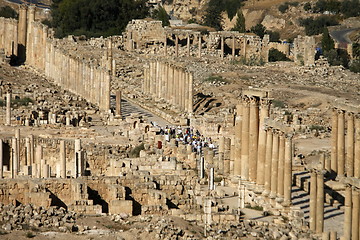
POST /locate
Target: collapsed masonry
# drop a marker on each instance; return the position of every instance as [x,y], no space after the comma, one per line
[255,153]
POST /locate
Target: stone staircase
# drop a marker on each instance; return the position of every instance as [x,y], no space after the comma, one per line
[333,210]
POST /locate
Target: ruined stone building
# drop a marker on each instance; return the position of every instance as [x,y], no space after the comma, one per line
[76,146]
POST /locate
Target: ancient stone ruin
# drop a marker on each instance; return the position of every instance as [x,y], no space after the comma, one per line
[126,127]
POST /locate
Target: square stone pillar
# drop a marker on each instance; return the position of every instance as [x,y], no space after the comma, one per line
[62,159]
[118,103]
[176,45]
[8,109]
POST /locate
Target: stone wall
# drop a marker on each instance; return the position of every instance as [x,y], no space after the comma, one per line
[8,36]
[88,79]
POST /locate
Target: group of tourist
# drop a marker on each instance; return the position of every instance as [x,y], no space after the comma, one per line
[187,136]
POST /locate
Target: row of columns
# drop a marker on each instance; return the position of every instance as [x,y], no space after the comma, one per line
[345,148]
[351,216]
[171,83]
[262,154]
[249,129]
[316,219]
[278,166]
[90,81]
[198,37]
[34,163]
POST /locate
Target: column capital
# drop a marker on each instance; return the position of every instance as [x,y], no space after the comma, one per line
[265,102]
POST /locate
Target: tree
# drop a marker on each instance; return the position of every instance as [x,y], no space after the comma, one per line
[240,22]
[161,14]
[259,30]
[326,41]
[95,18]
[8,12]
[276,55]
[213,17]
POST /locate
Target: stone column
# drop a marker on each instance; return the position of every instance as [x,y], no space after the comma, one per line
[188,45]
[46,170]
[238,132]
[341,143]
[38,158]
[264,113]
[280,186]
[17,137]
[202,167]
[347,213]
[274,165]
[176,45]
[211,179]
[319,202]
[62,159]
[77,153]
[190,100]
[15,158]
[227,144]
[253,137]
[222,46]
[32,152]
[268,154]
[313,191]
[199,46]
[118,103]
[233,47]
[334,140]
[245,140]
[350,145]
[22,32]
[165,45]
[8,109]
[333,235]
[357,148]
[220,163]
[355,214]
[1,160]
[288,171]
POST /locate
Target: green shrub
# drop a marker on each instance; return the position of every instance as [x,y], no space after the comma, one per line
[283,7]
[275,55]
[307,6]
[8,12]
[135,152]
[278,104]
[314,26]
[161,15]
[355,66]
[29,235]
[257,208]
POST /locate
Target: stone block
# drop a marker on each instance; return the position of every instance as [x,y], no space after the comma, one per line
[121,206]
